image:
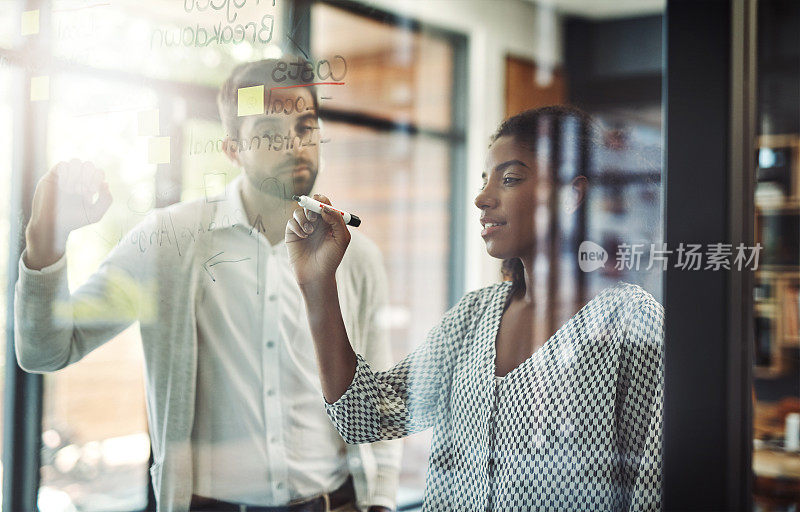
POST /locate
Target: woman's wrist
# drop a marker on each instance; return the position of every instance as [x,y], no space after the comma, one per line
[319,292]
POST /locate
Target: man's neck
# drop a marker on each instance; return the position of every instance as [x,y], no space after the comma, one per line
[267,213]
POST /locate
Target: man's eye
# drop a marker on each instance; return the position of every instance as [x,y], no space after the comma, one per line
[509,180]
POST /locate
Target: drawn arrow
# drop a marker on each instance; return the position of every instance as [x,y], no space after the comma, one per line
[206,264]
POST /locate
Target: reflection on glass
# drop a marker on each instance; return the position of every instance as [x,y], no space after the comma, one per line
[401,183]
[776,293]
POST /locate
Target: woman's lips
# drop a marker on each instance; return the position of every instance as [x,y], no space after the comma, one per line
[490,229]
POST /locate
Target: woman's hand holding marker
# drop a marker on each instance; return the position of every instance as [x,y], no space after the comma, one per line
[316,243]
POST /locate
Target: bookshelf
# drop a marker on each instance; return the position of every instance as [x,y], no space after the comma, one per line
[777,280]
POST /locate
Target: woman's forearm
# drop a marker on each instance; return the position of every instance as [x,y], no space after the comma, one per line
[335,357]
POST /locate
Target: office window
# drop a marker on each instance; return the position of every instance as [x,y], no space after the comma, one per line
[390,133]
[95,444]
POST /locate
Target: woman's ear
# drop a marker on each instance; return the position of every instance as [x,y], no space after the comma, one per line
[231,149]
[576,194]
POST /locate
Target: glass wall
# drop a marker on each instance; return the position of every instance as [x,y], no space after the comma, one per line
[407,108]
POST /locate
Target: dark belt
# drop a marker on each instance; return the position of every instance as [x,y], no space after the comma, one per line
[343,495]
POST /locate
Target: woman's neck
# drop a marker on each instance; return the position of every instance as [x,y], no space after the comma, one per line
[527,272]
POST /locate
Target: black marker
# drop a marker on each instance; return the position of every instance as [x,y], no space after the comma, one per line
[316,206]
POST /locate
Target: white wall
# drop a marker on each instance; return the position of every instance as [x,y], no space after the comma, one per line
[494,29]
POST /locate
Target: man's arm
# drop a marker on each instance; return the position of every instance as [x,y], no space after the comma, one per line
[53,327]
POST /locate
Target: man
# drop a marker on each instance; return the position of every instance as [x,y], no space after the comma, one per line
[236,414]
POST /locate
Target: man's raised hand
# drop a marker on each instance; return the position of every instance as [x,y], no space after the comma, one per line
[71,195]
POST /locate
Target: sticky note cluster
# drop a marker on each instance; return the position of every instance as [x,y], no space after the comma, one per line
[251,100]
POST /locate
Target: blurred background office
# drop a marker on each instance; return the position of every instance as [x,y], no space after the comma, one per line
[130,86]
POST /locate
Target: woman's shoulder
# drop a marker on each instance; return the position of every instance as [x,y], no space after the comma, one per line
[491,292]
[645,320]
[474,306]
[481,301]
[639,298]
[630,295]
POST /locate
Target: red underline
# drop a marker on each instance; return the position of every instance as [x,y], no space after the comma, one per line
[306,85]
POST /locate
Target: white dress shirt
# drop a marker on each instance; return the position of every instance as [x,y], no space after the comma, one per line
[261,435]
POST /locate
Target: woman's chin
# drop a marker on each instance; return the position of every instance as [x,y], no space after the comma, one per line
[495,251]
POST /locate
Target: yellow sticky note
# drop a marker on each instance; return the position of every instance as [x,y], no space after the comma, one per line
[40,88]
[30,22]
[148,122]
[158,150]
[251,100]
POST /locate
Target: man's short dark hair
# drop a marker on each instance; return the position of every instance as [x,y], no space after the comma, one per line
[251,74]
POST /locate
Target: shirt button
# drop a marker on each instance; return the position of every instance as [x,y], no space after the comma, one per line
[273,297]
[270,392]
[279,485]
[273,440]
[270,344]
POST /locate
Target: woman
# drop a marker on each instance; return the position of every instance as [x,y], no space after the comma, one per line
[571,423]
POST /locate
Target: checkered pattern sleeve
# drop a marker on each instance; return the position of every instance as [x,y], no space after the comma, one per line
[408,397]
[640,407]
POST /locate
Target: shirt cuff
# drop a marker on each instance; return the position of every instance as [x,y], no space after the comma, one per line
[49,269]
[361,367]
[385,492]
[42,286]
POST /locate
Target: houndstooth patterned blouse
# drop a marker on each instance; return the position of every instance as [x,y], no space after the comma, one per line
[577,426]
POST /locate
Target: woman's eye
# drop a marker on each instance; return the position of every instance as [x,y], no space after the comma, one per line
[509,180]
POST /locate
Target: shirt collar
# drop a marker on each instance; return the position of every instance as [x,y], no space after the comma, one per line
[230,212]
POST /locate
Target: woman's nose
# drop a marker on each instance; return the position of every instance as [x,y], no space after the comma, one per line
[484,199]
